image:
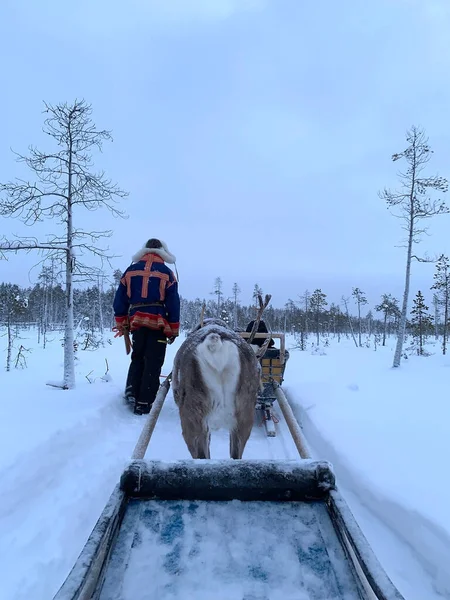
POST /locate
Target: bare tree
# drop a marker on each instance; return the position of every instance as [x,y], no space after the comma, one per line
[305,303]
[64,181]
[360,300]
[347,314]
[236,291]
[442,295]
[414,205]
[436,303]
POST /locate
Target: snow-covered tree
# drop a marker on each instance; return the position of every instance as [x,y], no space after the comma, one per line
[421,324]
[412,204]
[442,287]
[13,304]
[64,182]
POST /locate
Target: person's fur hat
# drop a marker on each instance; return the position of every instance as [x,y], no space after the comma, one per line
[158,247]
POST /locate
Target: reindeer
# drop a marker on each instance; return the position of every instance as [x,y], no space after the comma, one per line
[215,383]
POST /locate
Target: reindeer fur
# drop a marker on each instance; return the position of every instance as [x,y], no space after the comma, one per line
[215,384]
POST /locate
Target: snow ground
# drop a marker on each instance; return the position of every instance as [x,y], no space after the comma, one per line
[386,431]
[61,453]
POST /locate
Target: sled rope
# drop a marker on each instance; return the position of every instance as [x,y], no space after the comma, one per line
[149,426]
[274,417]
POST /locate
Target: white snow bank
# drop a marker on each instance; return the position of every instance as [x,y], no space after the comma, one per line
[61,453]
[386,431]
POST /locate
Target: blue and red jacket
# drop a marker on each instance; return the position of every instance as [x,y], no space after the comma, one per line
[147,296]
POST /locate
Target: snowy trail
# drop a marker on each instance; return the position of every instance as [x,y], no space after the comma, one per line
[381,522]
[54,489]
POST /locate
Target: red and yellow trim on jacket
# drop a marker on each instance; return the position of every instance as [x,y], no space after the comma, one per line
[146,273]
[156,322]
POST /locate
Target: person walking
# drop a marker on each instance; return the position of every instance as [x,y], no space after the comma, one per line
[147,304]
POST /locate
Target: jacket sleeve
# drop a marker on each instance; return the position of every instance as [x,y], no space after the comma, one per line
[172,303]
[121,303]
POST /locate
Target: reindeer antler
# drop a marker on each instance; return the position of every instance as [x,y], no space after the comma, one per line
[261,309]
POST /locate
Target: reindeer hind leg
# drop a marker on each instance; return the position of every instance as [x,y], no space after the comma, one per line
[198,443]
[239,437]
[203,445]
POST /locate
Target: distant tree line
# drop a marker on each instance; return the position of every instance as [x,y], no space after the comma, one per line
[310,318]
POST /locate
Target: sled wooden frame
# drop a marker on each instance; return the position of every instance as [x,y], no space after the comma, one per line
[307,482]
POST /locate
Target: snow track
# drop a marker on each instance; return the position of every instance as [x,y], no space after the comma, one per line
[52,496]
[167,442]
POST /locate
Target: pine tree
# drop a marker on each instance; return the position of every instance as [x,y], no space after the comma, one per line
[257,291]
[335,320]
[389,307]
[421,322]
[217,291]
[442,287]
[317,303]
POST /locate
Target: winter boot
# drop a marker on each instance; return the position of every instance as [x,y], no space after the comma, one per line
[142,408]
[128,395]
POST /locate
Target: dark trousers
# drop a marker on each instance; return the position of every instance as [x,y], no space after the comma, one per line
[147,358]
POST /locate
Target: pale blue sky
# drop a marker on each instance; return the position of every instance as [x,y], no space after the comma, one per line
[233,114]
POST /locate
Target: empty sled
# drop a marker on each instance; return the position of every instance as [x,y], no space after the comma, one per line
[234,530]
